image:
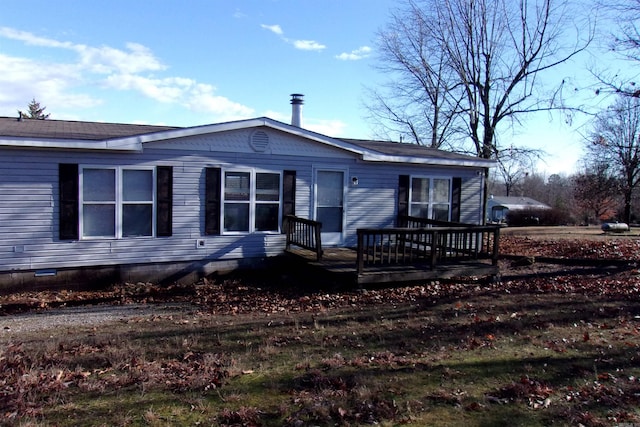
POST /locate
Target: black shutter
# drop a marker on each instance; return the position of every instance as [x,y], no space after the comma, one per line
[164,200]
[212,200]
[456,198]
[403,198]
[288,194]
[68,183]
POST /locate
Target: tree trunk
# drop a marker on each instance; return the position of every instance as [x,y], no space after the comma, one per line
[627,206]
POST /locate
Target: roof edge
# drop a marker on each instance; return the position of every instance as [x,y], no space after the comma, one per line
[68,144]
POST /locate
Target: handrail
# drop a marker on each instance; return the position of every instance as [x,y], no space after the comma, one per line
[304,233]
[426,245]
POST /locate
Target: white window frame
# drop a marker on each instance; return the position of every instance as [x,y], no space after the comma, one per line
[431,201]
[252,202]
[119,201]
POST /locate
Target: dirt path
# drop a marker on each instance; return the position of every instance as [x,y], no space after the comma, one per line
[89,315]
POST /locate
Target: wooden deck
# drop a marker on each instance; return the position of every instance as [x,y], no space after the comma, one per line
[421,250]
[340,264]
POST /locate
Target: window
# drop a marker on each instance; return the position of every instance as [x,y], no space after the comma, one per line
[116,202]
[430,198]
[251,201]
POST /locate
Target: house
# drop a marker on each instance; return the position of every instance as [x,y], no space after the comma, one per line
[499,206]
[88,202]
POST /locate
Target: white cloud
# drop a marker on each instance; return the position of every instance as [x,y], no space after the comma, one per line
[196,97]
[239,14]
[298,44]
[355,55]
[31,39]
[275,29]
[202,99]
[23,79]
[137,58]
[333,128]
[71,84]
[103,59]
[308,45]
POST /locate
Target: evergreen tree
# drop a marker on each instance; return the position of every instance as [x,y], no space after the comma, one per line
[35,111]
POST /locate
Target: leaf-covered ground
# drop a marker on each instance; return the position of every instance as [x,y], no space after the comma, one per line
[551,343]
[262,292]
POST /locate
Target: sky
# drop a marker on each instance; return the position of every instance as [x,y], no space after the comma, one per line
[194,62]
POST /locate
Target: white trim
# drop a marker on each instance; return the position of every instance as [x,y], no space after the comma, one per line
[431,202]
[136,143]
[119,201]
[69,144]
[252,202]
[345,191]
[471,162]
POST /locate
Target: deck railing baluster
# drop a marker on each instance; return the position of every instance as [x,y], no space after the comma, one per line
[303,233]
[428,241]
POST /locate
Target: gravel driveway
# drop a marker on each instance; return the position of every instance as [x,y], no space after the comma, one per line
[87,316]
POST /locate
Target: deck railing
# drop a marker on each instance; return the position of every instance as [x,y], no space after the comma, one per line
[426,242]
[304,233]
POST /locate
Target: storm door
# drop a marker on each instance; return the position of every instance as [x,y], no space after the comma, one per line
[329,205]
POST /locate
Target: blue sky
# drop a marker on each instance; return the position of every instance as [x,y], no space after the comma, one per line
[195,62]
[191,62]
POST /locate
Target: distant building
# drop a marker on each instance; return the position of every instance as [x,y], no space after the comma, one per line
[499,206]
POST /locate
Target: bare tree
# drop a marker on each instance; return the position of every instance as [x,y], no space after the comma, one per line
[624,43]
[495,48]
[514,165]
[422,100]
[615,140]
[596,192]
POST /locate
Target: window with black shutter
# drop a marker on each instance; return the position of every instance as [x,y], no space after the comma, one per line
[114,201]
[243,201]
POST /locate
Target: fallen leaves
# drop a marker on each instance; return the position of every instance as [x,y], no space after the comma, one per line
[331,389]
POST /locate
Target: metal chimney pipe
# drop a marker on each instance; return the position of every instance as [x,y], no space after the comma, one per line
[296,109]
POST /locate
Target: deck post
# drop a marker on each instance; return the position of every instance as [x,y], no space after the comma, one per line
[496,246]
[360,253]
[434,248]
[286,225]
[318,232]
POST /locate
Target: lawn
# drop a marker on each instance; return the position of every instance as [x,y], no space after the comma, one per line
[540,348]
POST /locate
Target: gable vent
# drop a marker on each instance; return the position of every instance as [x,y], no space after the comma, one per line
[259,140]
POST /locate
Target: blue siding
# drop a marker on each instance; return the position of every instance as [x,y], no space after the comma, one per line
[29,197]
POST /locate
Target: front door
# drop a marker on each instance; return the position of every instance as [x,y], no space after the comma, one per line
[330,205]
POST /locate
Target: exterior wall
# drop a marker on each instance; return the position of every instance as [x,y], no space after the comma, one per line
[373,202]
[29,203]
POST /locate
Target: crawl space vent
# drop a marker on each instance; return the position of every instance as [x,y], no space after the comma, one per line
[259,140]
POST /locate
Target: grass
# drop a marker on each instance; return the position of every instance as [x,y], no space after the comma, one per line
[490,359]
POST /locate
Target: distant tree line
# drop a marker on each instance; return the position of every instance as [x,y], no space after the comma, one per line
[592,195]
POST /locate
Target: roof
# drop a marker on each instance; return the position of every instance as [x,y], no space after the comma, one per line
[65,129]
[64,134]
[404,149]
[516,203]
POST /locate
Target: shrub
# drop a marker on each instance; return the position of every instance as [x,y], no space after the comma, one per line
[527,217]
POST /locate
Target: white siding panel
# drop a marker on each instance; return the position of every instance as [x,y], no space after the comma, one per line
[471,200]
